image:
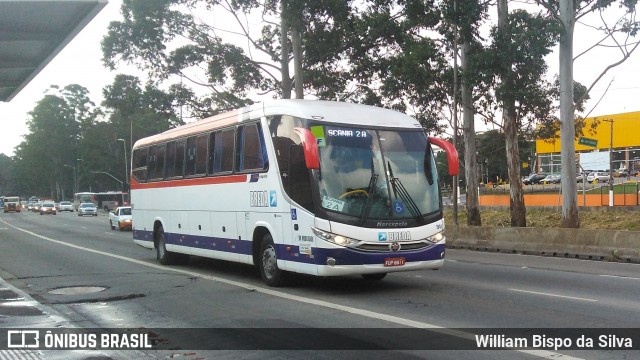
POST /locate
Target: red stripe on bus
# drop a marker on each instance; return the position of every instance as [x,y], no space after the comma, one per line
[208,180]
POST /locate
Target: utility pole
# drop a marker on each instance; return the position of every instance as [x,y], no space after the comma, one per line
[610,121]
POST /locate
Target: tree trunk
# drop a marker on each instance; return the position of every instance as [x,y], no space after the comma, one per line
[470,156]
[284,55]
[570,217]
[516,201]
[296,41]
[510,121]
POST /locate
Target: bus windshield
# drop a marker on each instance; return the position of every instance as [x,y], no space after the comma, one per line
[375,173]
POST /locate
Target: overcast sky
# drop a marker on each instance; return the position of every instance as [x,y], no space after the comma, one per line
[80,63]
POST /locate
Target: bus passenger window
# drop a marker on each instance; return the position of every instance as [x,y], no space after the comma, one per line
[223,152]
[201,154]
[151,167]
[159,162]
[251,156]
[190,163]
[178,170]
[139,166]
[171,159]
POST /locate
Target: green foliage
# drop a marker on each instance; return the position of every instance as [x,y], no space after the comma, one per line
[371,51]
[57,125]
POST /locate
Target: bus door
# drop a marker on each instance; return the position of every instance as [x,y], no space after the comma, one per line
[301,219]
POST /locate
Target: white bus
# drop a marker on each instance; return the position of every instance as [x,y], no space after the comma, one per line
[107,201]
[312,187]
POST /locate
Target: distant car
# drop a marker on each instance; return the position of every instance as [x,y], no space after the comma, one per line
[87,209]
[48,207]
[579,178]
[11,203]
[551,179]
[36,207]
[534,179]
[120,217]
[598,177]
[65,206]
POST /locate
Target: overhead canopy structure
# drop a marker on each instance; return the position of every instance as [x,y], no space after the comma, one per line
[32,32]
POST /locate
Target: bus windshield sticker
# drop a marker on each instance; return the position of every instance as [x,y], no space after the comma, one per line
[398,207]
[332,203]
[318,133]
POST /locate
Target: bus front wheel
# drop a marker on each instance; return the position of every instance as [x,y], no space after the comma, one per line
[269,271]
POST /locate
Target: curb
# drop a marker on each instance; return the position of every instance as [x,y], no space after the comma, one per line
[604,245]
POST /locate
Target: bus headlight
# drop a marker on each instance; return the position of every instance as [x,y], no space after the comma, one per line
[435,238]
[336,239]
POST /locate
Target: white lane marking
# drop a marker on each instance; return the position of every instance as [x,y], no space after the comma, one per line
[365,313]
[621,277]
[553,295]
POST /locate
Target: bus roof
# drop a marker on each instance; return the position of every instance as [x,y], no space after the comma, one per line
[329,111]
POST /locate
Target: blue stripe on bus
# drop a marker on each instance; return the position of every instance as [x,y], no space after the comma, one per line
[343,256]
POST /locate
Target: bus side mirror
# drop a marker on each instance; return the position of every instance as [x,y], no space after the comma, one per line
[452,154]
[310,147]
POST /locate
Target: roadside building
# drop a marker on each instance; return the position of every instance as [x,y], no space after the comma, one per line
[618,133]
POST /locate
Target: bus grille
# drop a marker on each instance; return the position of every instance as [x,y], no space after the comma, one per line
[384,247]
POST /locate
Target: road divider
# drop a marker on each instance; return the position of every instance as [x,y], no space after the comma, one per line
[607,245]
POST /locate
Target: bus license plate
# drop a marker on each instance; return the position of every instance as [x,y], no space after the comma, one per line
[399,261]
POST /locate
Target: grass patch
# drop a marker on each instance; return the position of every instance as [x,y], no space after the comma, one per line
[592,219]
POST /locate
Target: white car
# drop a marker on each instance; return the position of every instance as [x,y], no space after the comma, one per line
[65,206]
[87,209]
[598,177]
[48,207]
[120,217]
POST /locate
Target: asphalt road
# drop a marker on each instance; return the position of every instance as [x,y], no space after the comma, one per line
[46,255]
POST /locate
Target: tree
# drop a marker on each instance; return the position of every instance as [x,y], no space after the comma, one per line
[621,35]
[134,112]
[56,127]
[7,179]
[467,16]
[372,52]
[520,42]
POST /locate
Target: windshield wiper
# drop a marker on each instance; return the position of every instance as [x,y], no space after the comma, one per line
[400,191]
[372,185]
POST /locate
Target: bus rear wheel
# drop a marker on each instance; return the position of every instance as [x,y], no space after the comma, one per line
[164,257]
[269,271]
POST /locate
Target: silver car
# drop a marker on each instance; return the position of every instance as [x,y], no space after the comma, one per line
[87,209]
[598,176]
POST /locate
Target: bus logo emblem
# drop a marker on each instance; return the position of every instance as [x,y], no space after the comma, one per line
[394,246]
[382,236]
[273,199]
[258,199]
